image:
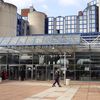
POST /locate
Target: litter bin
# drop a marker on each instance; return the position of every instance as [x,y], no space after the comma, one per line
[0,79]
[67,82]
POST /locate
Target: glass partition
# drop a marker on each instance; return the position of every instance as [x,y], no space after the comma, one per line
[3,58]
[13,58]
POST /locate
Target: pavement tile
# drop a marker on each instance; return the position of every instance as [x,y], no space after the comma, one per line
[29,90]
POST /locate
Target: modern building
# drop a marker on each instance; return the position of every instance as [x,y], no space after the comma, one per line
[72,45]
[86,21]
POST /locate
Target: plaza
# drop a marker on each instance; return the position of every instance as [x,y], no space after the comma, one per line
[40,90]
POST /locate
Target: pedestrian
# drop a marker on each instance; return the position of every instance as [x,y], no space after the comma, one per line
[56,78]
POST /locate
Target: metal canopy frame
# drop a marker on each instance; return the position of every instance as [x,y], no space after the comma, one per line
[38,44]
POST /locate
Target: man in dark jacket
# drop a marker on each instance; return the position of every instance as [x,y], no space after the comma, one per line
[57,75]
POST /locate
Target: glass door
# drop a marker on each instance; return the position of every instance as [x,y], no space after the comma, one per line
[14,72]
[29,72]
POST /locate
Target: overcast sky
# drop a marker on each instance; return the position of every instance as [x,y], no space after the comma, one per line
[52,7]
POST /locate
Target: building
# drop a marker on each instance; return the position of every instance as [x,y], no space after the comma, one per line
[8,19]
[86,21]
[22,26]
[38,21]
[72,45]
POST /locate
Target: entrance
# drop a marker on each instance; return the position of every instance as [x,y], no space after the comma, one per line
[41,72]
[14,72]
[3,71]
[29,72]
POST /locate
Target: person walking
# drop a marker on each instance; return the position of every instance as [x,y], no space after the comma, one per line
[56,78]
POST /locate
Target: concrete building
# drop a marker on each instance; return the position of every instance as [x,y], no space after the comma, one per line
[36,21]
[8,19]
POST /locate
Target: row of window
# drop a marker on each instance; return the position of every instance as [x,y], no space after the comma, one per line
[84,22]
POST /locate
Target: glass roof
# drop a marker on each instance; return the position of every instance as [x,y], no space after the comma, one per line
[13,40]
[58,39]
[5,41]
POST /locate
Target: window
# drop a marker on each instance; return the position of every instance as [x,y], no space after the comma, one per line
[81,26]
[72,26]
[57,27]
[73,22]
[57,19]
[49,27]
[84,21]
[73,30]
[58,23]
[61,31]
[85,30]
[80,22]
[68,26]
[61,19]
[61,27]
[68,31]
[84,26]
[61,23]
[93,30]
[50,23]
[80,17]
[69,22]
[93,8]
[51,19]
[50,31]
[69,18]
[81,30]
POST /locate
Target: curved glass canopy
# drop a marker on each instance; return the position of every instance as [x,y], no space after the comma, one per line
[40,40]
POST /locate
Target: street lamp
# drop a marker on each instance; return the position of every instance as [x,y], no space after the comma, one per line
[64,67]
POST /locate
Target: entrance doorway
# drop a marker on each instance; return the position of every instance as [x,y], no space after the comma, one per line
[3,71]
[41,72]
[14,72]
[29,72]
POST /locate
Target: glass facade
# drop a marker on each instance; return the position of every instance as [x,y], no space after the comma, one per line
[79,65]
[40,55]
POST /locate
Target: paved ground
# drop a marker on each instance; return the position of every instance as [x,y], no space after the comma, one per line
[37,90]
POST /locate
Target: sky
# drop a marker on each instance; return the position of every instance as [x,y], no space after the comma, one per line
[52,7]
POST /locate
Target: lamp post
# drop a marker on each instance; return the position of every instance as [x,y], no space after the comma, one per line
[90,60]
[64,67]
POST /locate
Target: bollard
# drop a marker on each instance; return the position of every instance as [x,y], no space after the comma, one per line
[67,82]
